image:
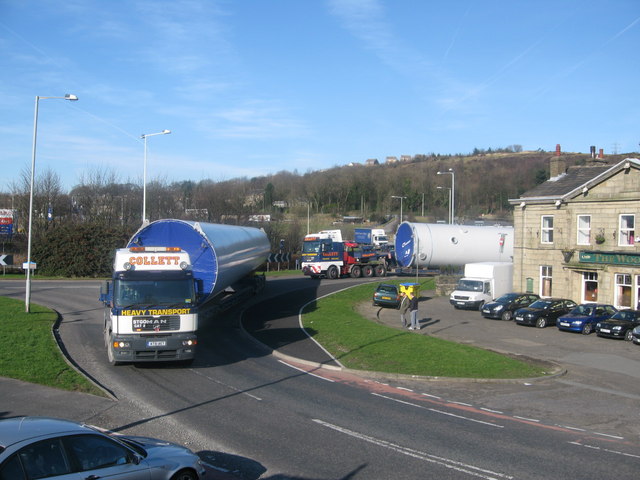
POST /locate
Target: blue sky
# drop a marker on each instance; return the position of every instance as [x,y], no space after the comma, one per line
[255,87]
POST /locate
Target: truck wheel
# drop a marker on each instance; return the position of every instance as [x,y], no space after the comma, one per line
[367,271]
[111,356]
[332,272]
[356,271]
[380,271]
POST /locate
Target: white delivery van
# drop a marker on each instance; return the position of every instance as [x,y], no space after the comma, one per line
[482,282]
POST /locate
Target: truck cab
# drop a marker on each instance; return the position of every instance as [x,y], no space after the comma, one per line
[151,309]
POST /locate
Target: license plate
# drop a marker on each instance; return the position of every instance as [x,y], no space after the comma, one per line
[605,330]
[519,318]
[386,298]
[485,310]
[565,324]
[156,343]
[460,303]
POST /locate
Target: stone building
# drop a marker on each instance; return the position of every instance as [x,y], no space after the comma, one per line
[575,234]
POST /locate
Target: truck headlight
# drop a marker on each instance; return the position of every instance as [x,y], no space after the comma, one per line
[121,345]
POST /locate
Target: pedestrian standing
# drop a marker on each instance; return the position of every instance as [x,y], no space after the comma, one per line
[413,308]
[404,308]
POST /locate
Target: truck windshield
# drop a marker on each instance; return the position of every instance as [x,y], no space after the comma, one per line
[470,285]
[154,292]
[311,246]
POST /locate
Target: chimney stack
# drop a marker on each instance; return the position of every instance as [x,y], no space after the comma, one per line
[601,154]
[558,152]
[593,151]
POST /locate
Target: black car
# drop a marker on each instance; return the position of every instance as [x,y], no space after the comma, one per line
[504,306]
[620,325]
[543,312]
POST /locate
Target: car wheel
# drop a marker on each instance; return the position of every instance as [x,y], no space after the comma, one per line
[185,475]
[507,316]
[541,322]
[628,336]
[587,328]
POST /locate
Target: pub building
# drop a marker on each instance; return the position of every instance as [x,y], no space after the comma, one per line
[575,234]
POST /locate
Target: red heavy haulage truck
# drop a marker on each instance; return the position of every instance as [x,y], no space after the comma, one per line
[324,254]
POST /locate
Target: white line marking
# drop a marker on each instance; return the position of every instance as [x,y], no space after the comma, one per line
[616,452]
[610,436]
[308,373]
[432,396]
[231,387]
[436,411]
[526,419]
[492,411]
[445,462]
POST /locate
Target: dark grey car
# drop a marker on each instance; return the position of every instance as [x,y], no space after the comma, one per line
[504,306]
[41,447]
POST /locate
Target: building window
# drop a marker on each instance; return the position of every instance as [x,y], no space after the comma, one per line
[627,230]
[584,229]
[545,280]
[590,290]
[547,229]
[623,291]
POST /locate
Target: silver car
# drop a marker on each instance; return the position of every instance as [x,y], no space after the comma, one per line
[41,447]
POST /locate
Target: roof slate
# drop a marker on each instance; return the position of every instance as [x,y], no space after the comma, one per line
[565,183]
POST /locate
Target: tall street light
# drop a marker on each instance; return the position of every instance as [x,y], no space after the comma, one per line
[144,171]
[449,205]
[401,198]
[453,192]
[27,297]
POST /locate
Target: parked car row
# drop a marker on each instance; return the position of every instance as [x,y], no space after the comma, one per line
[529,309]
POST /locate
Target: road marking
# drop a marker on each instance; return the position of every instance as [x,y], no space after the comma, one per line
[231,387]
[437,411]
[307,372]
[526,419]
[427,457]
[594,447]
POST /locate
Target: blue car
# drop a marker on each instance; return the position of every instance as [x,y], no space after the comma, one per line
[584,317]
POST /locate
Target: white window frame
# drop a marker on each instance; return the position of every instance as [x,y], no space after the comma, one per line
[622,284]
[546,231]
[583,236]
[546,275]
[626,233]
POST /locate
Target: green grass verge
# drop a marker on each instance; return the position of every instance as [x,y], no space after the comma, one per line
[362,344]
[29,352]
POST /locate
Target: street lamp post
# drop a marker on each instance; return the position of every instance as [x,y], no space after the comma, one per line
[144,171]
[453,192]
[27,296]
[449,205]
[401,198]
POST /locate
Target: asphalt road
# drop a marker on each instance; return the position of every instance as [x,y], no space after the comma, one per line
[265,416]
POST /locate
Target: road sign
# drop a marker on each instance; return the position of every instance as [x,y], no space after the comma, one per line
[6,260]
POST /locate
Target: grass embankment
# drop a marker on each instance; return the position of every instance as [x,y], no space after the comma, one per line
[362,344]
[29,352]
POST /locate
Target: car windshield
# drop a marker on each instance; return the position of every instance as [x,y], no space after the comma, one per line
[625,315]
[582,310]
[507,297]
[540,304]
